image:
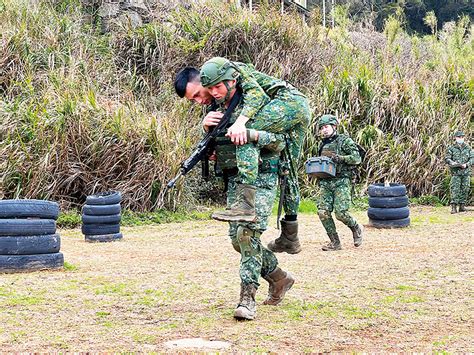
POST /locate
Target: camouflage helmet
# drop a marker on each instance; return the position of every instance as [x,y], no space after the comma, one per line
[215,70]
[459,134]
[327,119]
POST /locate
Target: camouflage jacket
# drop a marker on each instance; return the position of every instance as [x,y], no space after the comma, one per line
[345,147]
[460,154]
[258,88]
[271,145]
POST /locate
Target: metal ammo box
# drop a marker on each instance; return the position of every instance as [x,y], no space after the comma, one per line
[321,167]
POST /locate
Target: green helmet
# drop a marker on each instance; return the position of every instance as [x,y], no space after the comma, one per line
[327,119]
[459,134]
[217,69]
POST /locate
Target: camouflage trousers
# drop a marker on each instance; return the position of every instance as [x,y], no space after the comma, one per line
[288,113]
[459,187]
[256,260]
[335,195]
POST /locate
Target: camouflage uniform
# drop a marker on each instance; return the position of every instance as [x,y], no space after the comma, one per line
[461,178]
[256,260]
[335,193]
[281,109]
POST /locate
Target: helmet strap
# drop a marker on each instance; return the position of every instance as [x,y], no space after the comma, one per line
[229,90]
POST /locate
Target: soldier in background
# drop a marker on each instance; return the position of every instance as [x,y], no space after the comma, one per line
[335,192]
[460,158]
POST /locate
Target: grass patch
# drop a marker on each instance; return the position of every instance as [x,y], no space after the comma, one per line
[113,288]
[73,219]
[69,266]
[12,298]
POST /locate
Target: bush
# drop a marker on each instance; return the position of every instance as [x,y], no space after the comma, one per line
[84,112]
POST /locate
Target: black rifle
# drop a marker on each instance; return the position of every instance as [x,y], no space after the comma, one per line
[207,144]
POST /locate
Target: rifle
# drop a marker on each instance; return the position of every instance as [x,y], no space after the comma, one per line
[207,144]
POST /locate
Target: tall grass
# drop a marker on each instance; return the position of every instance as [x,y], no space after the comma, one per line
[82,112]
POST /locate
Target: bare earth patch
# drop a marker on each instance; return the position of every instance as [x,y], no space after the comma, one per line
[403,290]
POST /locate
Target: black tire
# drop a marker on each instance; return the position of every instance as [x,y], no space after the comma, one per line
[103,238]
[21,227]
[393,223]
[27,245]
[379,190]
[100,229]
[388,202]
[104,198]
[388,213]
[111,219]
[97,210]
[18,263]
[29,209]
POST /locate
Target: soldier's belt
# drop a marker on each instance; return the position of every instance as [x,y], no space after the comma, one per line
[267,166]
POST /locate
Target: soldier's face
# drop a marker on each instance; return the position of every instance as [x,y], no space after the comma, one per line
[219,91]
[197,93]
[327,130]
[459,140]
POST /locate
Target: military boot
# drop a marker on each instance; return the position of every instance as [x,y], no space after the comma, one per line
[279,282]
[334,244]
[288,240]
[357,234]
[246,309]
[462,207]
[243,209]
[453,208]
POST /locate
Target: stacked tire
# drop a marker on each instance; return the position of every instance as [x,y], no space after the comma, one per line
[101,216]
[388,206]
[28,238]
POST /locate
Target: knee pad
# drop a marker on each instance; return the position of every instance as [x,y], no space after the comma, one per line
[236,246]
[244,236]
[324,214]
[341,215]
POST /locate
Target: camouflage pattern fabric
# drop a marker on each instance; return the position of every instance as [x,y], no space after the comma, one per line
[287,113]
[256,260]
[461,178]
[261,261]
[460,186]
[335,193]
[460,154]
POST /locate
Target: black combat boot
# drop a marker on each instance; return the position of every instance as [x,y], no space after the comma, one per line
[334,244]
[453,208]
[462,207]
[357,234]
[243,209]
[288,240]
[279,282]
[246,309]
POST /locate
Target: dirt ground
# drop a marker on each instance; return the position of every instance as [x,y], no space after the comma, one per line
[403,290]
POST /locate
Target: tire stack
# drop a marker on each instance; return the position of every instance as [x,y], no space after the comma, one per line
[101,216]
[388,206]
[28,239]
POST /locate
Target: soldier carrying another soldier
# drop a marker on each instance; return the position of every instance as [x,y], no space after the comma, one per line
[255,260]
[272,105]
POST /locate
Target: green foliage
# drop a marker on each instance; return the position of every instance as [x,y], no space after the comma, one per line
[429,200]
[69,219]
[84,112]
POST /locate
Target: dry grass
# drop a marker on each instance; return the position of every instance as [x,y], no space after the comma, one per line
[404,290]
[83,112]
